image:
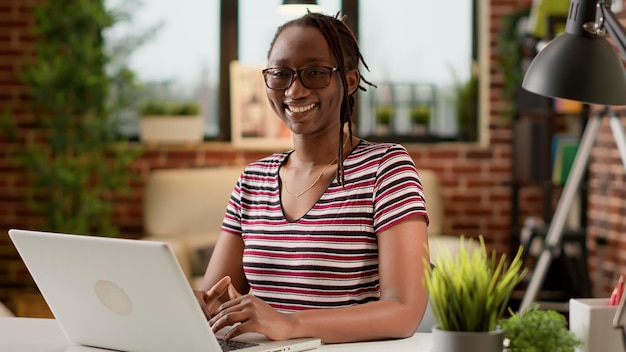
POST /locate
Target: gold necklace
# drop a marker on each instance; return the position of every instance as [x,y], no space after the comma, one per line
[317,179]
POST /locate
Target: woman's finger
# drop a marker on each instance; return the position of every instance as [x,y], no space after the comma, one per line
[235,318]
[200,297]
[217,290]
[232,292]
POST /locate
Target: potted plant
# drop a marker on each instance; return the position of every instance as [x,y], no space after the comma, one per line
[73,162]
[513,49]
[468,295]
[538,330]
[171,123]
[420,117]
[466,104]
[384,114]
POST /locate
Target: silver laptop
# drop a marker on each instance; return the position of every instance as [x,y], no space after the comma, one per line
[125,295]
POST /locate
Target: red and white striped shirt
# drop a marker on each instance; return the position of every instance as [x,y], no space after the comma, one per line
[329,257]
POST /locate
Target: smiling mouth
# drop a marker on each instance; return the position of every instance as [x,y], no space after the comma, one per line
[301,109]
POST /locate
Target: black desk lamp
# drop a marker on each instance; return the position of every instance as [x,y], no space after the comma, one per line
[581,65]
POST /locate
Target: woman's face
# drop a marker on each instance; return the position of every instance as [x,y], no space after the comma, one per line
[305,110]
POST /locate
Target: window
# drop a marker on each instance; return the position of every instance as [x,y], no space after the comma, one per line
[174,53]
[420,54]
[258,21]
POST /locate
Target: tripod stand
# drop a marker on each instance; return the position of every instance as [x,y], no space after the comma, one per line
[555,231]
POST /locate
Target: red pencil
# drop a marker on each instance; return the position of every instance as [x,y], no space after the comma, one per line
[618,291]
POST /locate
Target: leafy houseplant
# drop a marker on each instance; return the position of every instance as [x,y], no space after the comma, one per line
[160,109]
[510,59]
[420,114]
[538,330]
[73,159]
[173,123]
[420,117]
[470,292]
[383,115]
[467,108]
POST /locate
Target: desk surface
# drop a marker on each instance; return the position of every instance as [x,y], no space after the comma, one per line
[45,335]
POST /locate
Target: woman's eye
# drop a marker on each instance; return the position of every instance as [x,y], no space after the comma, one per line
[279,74]
[316,72]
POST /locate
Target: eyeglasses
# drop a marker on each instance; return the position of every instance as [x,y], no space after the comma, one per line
[314,77]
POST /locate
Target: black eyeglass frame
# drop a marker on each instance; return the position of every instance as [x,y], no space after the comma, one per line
[298,72]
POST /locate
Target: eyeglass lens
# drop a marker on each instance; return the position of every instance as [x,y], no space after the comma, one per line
[311,77]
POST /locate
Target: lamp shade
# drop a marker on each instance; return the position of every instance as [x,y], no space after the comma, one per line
[579,64]
[581,68]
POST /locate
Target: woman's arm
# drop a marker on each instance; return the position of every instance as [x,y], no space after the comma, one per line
[402,249]
[403,299]
[226,261]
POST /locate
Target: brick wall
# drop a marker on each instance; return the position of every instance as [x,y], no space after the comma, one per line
[607,207]
[606,215]
[476,181]
[16,45]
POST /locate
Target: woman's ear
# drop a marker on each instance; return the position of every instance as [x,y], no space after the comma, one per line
[353,78]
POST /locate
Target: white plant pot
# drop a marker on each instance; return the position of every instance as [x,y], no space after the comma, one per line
[171,129]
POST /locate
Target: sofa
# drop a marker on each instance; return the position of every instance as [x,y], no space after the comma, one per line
[438,240]
[185,208]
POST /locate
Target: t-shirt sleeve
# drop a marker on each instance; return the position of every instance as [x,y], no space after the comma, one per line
[232,218]
[398,192]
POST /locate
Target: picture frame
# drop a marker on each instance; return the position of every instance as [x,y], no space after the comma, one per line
[254,124]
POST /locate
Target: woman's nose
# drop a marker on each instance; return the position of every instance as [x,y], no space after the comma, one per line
[296,89]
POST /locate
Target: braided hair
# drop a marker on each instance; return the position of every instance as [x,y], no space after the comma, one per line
[345,49]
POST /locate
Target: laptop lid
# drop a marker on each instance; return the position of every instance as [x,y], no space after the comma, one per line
[123,294]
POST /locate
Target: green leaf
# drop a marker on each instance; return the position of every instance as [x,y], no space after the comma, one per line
[469,292]
[70,159]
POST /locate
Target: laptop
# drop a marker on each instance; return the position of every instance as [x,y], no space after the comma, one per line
[125,295]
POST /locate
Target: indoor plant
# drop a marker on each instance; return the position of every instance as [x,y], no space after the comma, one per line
[420,117]
[512,49]
[467,108]
[74,161]
[384,115]
[468,295]
[171,122]
[538,330]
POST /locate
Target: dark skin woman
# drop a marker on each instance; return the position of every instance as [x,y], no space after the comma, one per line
[328,240]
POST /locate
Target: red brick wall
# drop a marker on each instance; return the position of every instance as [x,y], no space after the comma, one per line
[476,181]
[607,206]
[16,45]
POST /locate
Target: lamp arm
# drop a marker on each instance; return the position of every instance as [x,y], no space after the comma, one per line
[614,27]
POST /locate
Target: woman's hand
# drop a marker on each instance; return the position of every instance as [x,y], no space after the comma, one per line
[250,314]
[210,300]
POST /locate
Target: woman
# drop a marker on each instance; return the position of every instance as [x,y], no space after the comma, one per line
[328,240]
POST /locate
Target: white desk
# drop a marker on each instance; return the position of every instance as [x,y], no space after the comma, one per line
[45,335]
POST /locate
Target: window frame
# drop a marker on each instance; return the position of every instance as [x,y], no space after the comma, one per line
[229,42]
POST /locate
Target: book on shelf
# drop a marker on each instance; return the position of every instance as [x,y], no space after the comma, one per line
[564,149]
[566,106]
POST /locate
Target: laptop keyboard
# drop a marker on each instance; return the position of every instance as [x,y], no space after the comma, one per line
[231,345]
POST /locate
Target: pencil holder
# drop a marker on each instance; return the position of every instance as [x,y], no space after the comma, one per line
[591,320]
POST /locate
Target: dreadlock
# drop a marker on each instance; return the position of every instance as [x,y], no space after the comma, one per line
[345,49]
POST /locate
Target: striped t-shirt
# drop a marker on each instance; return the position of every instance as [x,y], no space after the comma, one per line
[328,257]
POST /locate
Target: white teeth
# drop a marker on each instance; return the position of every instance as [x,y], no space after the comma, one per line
[301,108]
